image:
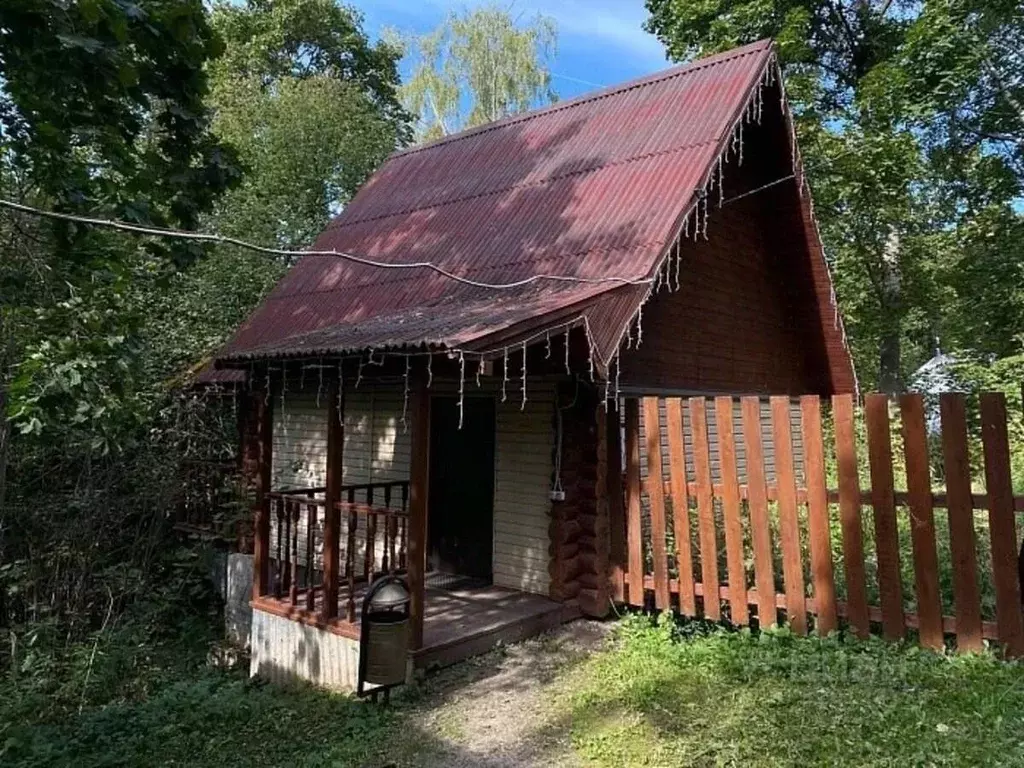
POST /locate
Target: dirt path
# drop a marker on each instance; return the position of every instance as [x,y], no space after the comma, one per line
[496,711]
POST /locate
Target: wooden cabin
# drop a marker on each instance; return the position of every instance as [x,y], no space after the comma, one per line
[435,390]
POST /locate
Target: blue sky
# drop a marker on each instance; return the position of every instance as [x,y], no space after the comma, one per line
[600,42]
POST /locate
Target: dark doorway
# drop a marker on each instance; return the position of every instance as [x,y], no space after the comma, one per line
[460,520]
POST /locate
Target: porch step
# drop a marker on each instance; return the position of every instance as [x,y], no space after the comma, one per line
[466,646]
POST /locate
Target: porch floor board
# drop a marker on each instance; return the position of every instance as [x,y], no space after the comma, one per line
[459,622]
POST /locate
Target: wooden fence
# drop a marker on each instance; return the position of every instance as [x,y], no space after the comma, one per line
[877,557]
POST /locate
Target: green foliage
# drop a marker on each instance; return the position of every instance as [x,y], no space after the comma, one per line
[480,59]
[102,107]
[209,718]
[910,121]
[104,110]
[670,697]
[312,109]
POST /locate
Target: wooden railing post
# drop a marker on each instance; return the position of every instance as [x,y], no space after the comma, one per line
[332,528]
[419,477]
[310,546]
[370,553]
[350,556]
[616,508]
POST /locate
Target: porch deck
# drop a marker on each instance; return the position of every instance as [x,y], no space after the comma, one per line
[462,618]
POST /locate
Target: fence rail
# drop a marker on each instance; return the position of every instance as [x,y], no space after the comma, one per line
[870,553]
[374,540]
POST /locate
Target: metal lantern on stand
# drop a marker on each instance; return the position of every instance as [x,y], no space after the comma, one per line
[384,636]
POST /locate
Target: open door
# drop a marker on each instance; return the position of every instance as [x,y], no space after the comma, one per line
[460,520]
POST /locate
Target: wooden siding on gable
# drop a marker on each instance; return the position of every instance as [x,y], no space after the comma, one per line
[747,314]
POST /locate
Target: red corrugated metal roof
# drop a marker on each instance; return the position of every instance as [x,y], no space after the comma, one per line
[594,187]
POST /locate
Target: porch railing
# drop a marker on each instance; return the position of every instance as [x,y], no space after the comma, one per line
[373,540]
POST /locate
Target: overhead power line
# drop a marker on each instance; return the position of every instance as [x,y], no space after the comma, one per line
[180,234]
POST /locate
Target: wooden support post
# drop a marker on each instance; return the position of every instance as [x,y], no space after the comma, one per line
[332,495]
[264,418]
[419,477]
[616,510]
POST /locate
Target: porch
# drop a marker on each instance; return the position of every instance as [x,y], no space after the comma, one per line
[317,549]
[462,618]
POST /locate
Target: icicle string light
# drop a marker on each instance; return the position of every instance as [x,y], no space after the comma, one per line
[504,377]
[359,372]
[639,326]
[522,406]
[567,351]
[405,394]
[462,385]
[479,368]
[430,371]
[679,264]
[320,382]
[547,339]
[618,371]
[721,182]
[341,392]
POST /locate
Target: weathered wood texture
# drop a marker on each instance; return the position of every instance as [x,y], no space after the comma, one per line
[815,522]
[419,492]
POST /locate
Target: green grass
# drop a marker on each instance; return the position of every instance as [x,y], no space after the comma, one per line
[664,694]
[774,699]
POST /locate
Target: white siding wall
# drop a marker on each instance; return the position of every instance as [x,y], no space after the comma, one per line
[284,651]
[522,483]
[376,450]
[376,446]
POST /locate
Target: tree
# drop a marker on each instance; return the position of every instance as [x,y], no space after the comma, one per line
[101,112]
[477,67]
[312,109]
[910,136]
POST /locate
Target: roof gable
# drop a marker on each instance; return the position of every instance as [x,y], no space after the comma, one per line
[594,190]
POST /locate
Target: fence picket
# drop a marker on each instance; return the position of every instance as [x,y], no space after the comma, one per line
[922,522]
[1002,526]
[729,468]
[738,611]
[883,501]
[961,522]
[680,505]
[849,514]
[789,524]
[705,508]
[757,500]
[634,532]
[656,496]
[817,515]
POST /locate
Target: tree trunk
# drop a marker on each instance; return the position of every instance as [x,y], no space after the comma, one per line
[890,379]
[5,446]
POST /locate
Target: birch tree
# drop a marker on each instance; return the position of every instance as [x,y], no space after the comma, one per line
[478,66]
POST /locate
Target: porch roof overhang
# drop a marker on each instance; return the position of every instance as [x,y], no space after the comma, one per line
[484,326]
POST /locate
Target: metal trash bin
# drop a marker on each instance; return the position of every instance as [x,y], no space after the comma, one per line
[384,636]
